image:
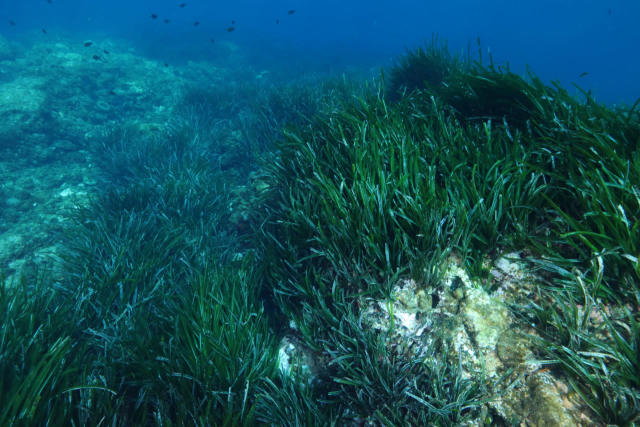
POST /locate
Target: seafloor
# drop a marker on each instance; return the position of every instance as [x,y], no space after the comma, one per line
[212,243]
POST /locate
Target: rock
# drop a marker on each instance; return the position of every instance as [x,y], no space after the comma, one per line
[478,329]
[536,401]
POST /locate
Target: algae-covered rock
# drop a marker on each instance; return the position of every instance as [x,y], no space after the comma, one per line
[484,318]
[457,321]
[475,328]
[539,400]
[293,360]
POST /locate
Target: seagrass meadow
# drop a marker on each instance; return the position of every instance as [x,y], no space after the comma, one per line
[450,243]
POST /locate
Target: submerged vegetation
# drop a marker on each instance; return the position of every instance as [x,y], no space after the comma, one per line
[228,273]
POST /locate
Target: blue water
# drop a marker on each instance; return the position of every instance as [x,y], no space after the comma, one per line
[559,39]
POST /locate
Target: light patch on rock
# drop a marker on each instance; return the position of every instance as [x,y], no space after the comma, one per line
[408,320]
[508,267]
[294,361]
[66,192]
[284,356]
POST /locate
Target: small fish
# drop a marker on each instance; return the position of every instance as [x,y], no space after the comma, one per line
[277,21]
[182,4]
[165,20]
[233,22]
[44,31]
[154,16]
[12,23]
[87,43]
[112,92]
[50,1]
[166,65]
[231,29]
[212,40]
[291,12]
[583,74]
[195,24]
[96,57]
[106,51]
